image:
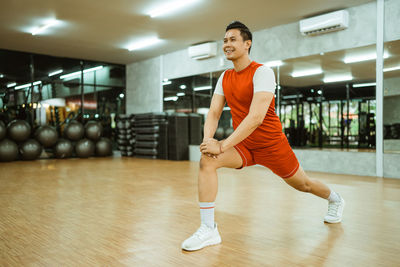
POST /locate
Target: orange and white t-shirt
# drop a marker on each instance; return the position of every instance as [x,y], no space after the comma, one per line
[238,89]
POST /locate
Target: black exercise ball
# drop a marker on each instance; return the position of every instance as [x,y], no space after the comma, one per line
[93,130]
[228,132]
[219,133]
[19,130]
[8,150]
[84,148]
[30,149]
[46,135]
[63,149]
[3,130]
[103,147]
[74,130]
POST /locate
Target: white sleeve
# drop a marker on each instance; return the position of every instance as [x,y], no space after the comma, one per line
[218,88]
[264,80]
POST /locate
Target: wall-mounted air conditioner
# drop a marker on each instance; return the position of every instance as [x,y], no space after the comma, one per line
[334,21]
[202,51]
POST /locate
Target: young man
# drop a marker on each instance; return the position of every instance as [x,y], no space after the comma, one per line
[249,90]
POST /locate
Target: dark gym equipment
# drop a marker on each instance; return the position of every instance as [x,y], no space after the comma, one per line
[74,131]
[30,149]
[93,130]
[228,132]
[8,150]
[46,135]
[19,130]
[63,149]
[219,133]
[103,147]
[3,130]
[178,137]
[195,134]
[84,148]
[152,130]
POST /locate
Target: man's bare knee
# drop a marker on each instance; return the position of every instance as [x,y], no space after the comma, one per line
[207,163]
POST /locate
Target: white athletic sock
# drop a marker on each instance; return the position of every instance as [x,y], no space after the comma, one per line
[207,213]
[333,197]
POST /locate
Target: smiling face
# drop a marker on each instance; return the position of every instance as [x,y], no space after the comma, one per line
[234,47]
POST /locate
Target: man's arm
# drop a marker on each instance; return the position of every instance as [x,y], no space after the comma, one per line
[211,124]
[258,109]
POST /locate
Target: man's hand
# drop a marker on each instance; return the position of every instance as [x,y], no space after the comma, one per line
[211,146]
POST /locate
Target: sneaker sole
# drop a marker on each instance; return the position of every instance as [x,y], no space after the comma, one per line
[214,241]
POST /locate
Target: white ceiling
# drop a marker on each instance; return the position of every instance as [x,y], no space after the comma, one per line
[101,30]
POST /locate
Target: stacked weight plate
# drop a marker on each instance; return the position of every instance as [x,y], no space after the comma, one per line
[151,135]
[125,135]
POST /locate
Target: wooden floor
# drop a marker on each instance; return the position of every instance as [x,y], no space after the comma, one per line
[136,212]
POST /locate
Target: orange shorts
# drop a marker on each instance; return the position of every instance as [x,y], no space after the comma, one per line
[278,157]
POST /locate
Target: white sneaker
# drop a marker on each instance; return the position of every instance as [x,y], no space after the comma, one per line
[204,236]
[335,211]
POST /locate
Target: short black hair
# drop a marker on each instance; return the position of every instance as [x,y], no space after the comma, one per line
[244,30]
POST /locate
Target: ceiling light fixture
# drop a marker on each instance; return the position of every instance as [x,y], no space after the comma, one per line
[183,87]
[360,58]
[391,69]
[340,78]
[55,72]
[363,85]
[166,82]
[144,43]
[44,27]
[180,94]
[274,63]
[79,72]
[171,98]
[11,85]
[303,73]
[202,88]
[170,7]
[27,85]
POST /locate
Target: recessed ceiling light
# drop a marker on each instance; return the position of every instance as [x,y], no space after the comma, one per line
[44,27]
[144,43]
[166,82]
[183,87]
[170,7]
[274,63]
[302,73]
[79,72]
[363,84]
[27,85]
[55,72]
[339,78]
[391,69]
[202,88]
[180,94]
[171,98]
[364,57]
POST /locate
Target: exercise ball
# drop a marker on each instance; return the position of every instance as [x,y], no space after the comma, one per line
[74,130]
[84,148]
[219,133]
[8,150]
[30,149]
[3,130]
[46,135]
[93,130]
[103,147]
[19,130]
[63,149]
[228,132]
